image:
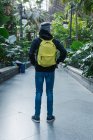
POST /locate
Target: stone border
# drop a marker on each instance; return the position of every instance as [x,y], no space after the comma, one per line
[77,74]
[8,72]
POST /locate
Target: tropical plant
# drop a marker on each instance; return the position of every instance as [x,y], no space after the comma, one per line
[76,45]
[83,59]
[58,30]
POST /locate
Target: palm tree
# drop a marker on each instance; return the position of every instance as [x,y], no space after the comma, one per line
[35,15]
[86,6]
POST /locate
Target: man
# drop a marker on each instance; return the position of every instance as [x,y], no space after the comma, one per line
[45,72]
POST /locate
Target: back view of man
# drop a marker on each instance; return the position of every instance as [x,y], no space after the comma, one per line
[43,57]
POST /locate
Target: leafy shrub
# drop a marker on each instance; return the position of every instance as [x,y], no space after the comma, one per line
[58,30]
[4,32]
[2,53]
[88,66]
[10,53]
[83,59]
[76,45]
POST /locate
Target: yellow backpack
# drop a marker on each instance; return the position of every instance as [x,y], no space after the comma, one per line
[47,53]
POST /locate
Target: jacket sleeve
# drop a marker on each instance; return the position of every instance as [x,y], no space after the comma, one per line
[62,51]
[32,52]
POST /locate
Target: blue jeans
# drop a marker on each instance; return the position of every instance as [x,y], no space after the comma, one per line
[39,80]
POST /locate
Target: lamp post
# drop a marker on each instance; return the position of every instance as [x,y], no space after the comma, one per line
[76,23]
[70,34]
[20,12]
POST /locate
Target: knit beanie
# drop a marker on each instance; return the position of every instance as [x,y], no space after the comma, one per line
[45,26]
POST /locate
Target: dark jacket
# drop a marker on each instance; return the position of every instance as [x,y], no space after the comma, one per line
[34,49]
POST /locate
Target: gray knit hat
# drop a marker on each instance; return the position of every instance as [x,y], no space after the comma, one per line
[45,26]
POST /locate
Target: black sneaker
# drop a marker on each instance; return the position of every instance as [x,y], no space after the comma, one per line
[36,119]
[50,119]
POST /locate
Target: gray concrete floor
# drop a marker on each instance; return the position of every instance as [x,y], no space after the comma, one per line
[73,108]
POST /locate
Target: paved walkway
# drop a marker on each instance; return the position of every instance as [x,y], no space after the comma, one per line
[73,108]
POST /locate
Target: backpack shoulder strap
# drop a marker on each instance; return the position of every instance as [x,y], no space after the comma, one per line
[43,41]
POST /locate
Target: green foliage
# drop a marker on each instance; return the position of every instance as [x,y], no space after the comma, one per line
[81,20]
[3,17]
[85,34]
[2,53]
[58,30]
[8,27]
[2,39]
[76,45]
[25,48]
[11,53]
[83,59]
[88,66]
[3,32]
[88,6]
[62,33]
[17,52]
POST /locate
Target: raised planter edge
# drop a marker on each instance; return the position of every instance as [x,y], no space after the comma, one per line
[8,72]
[77,74]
